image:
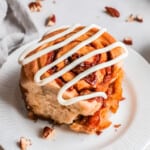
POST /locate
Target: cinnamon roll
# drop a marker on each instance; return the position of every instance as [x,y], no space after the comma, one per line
[73,75]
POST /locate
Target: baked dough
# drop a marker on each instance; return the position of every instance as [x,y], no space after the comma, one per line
[88,116]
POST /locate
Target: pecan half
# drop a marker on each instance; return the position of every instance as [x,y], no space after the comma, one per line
[47,132]
[112,11]
[35,6]
[91,78]
[128,40]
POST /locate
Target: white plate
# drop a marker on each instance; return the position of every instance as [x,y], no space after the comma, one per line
[133,114]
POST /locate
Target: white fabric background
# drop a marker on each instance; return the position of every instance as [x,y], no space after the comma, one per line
[16,27]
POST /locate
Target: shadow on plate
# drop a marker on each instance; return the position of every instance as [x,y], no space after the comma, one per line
[10,94]
[146,53]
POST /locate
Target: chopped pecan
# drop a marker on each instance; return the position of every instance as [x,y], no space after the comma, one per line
[35,6]
[112,11]
[85,65]
[107,78]
[50,57]
[81,67]
[131,18]
[52,70]
[128,40]
[47,132]
[98,132]
[139,18]
[70,88]
[60,81]
[117,125]
[24,143]
[66,61]
[91,78]
[51,20]
[96,59]
[74,57]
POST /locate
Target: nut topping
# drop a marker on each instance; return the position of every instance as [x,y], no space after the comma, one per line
[112,11]
[128,40]
[35,6]
[51,20]
[47,132]
[24,143]
[91,78]
[132,18]
[139,18]
[117,125]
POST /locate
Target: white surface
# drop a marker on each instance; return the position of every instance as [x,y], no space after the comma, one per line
[92,11]
[134,133]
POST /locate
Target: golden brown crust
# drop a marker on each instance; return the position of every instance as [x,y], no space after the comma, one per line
[42,101]
[100,120]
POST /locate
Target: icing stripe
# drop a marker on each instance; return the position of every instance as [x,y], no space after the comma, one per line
[82,75]
[67,102]
[54,47]
[70,66]
[72,51]
[30,49]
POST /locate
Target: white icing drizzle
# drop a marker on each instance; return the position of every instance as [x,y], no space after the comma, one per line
[25,60]
[72,51]
[29,59]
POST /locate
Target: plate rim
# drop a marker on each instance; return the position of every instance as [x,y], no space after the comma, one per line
[122,138]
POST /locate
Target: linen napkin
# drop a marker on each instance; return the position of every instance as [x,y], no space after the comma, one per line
[16,27]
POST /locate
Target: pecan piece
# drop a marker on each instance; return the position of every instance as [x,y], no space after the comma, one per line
[112,11]
[50,57]
[91,79]
[51,20]
[139,18]
[128,41]
[98,132]
[24,143]
[35,6]
[47,132]
[117,125]
[131,18]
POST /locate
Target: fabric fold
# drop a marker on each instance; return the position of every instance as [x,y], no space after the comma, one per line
[17,27]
